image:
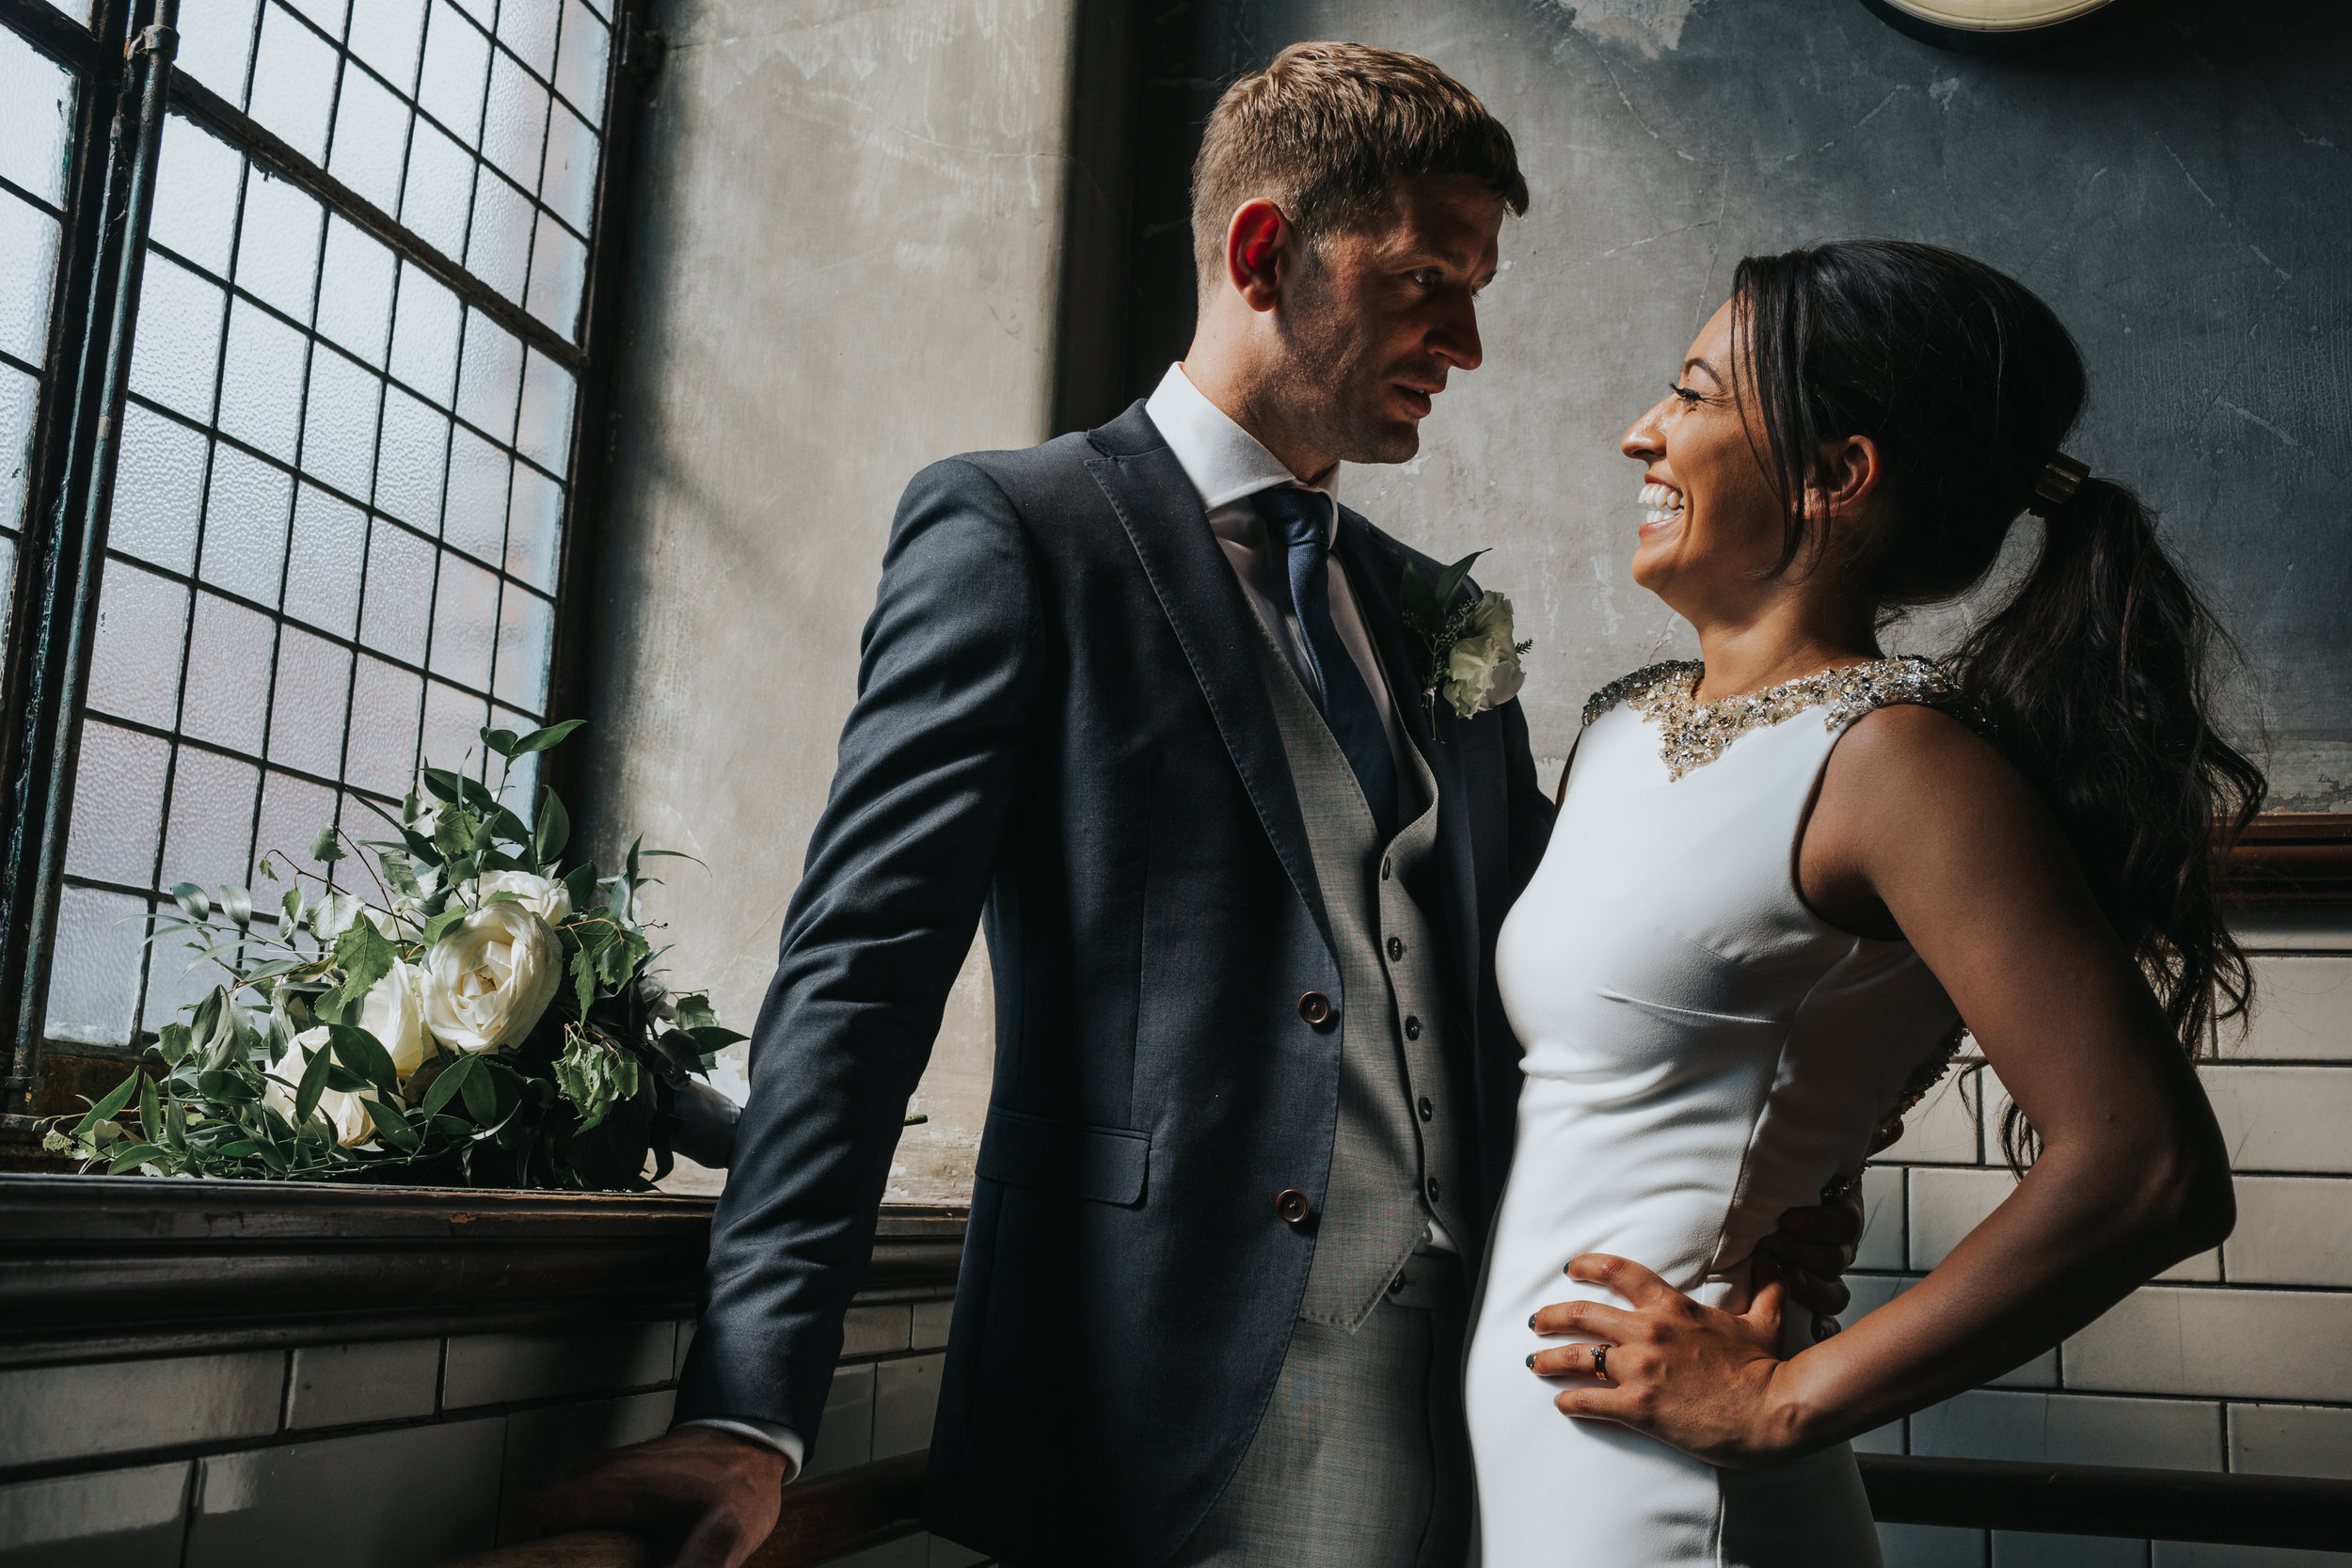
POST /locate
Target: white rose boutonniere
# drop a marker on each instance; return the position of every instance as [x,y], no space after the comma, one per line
[1473,656]
[486,982]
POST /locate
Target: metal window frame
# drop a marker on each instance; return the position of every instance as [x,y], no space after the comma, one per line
[122,60]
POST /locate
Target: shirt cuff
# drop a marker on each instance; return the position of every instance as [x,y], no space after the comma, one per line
[782,1439]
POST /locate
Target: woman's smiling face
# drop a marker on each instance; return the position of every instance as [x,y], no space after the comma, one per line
[1713,528]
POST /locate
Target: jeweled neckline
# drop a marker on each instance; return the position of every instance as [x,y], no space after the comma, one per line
[1694,734]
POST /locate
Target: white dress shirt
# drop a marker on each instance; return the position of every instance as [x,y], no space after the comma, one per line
[1227,466]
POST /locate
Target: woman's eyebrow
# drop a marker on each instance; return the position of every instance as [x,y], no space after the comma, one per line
[1714,375]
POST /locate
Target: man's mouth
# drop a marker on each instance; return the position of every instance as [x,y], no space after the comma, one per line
[1663,504]
[1417,399]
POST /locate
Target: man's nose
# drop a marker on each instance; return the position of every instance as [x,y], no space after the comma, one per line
[1456,341]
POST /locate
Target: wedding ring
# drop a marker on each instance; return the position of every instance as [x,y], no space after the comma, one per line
[1600,1360]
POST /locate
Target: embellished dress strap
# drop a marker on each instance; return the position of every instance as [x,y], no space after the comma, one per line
[1694,733]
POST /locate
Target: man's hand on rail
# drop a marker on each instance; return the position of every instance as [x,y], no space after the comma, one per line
[706,1497]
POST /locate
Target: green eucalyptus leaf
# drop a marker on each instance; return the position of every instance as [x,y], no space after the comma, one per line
[448,1083]
[505,827]
[242,1148]
[133,1157]
[151,1111]
[314,1084]
[192,898]
[442,784]
[541,739]
[481,1094]
[580,882]
[712,1038]
[501,741]
[364,1055]
[392,1126]
[237,904]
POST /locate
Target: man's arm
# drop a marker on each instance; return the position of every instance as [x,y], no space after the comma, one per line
[898,866]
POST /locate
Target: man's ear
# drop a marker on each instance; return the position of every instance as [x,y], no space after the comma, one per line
[1256,242]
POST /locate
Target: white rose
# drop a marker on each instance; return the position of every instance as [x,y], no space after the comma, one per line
[342,1110]
[486,982]
[394,1014]
[1483,669]
[550,901]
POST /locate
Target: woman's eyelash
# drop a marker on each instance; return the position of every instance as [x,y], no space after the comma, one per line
[1685,393]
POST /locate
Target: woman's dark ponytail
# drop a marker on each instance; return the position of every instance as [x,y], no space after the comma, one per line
[2092,675]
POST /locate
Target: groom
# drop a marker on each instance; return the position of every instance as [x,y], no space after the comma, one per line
[1142,702]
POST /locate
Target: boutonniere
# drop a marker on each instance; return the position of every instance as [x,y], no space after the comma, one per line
[1473,662]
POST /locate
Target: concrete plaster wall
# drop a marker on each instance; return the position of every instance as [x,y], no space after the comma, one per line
[848,228]
[2177,185]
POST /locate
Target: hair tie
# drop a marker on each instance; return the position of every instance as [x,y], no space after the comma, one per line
[2062,476]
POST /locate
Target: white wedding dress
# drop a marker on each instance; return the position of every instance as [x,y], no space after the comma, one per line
[1703,1052]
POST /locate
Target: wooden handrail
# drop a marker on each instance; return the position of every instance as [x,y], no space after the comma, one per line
[824,1519]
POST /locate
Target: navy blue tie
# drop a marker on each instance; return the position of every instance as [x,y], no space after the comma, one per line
[1300,521]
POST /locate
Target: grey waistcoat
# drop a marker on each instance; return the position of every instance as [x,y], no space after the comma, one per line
[1393,1155]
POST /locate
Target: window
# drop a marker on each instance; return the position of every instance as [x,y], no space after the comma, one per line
[340,492]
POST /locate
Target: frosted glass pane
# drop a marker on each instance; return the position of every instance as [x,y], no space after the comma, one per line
[172,985]
[399,594]
[491,376]
[390,34]
[499,251]
[20,396]
[580,63]
[227,676]
[558,270]
[327,14]
[483,11]
[456,69]
[245,525]
[293,84]
[439,188]
[178,344]
[306,729]
[195,196]
[526,643]
[384,711]
[216,37]
[371,139]
[260,385]
[515,123]
[452,728]
[35,118]
[159,489]
[543,432]
[322,563]
[293,812]
[569,184]
[212,818]
[94,975]
[135,664]
[338,424]
[277,261]
[117,805]
[528,27]
[533,522]
[28,267]
[475,518]
[409,461]
[425,325]
[355,292]
[464,622]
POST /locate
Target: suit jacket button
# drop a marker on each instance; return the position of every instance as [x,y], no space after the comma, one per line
[1428,1112]
[1433,1189]
[1388,864]
[1293,1206]
[1315,1008]
[1412,1027]
[1396,949]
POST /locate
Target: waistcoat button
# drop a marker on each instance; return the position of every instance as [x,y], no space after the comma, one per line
[1433,1189]
[1412,1027]
[1428,1112]
[1396,949]
[1315,1008]
[1386,865]
[1293,1206]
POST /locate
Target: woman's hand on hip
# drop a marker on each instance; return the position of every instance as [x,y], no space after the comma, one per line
[1705,1381]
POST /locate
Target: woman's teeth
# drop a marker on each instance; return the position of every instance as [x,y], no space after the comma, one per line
[1663,501]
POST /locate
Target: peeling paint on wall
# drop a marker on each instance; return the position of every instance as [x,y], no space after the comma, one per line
[1653,26]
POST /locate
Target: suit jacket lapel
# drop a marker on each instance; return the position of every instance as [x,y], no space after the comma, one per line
[1162,514]
[1376,573]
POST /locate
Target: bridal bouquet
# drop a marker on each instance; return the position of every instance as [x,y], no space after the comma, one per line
[487,1015]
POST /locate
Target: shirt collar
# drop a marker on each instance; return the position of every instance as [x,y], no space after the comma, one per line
[1224,462]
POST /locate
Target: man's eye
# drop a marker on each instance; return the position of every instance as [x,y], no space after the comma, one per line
[1427,277]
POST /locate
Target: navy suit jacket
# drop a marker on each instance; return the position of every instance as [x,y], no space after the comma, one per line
[1060,733]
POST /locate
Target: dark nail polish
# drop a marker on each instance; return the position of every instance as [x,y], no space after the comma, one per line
[1531,1320]
[1531,1359]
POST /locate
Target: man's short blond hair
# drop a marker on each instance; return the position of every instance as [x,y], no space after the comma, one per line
[1328,129]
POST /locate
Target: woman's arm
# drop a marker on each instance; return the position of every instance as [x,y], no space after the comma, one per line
[1922,830]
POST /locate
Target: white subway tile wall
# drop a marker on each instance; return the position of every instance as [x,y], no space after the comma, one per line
[2239,1359]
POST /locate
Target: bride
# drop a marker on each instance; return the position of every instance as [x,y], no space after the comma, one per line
[1784,875]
